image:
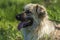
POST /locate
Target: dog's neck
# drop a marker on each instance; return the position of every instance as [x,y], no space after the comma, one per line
[35,32]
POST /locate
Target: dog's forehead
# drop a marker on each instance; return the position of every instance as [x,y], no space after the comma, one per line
[29,6]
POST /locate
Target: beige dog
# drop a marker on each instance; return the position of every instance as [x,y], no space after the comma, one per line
[34,22]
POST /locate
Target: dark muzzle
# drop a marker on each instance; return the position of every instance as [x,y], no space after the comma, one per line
[25,21]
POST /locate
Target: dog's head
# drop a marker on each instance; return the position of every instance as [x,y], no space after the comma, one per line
[31,13]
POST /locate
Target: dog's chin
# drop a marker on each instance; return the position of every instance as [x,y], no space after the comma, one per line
[24,24]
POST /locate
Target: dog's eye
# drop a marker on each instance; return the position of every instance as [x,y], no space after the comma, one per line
[27,11]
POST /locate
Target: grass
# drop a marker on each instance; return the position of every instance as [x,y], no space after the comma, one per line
[9,9]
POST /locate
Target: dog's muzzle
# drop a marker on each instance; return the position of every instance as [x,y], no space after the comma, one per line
[25,20]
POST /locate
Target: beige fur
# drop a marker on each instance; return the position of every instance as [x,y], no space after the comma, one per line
[41,25]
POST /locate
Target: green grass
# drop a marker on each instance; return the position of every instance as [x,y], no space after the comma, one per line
[9,9]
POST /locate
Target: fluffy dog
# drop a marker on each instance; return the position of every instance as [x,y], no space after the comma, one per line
[34,22]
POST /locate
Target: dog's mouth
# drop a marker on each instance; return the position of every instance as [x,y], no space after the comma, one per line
[25,22]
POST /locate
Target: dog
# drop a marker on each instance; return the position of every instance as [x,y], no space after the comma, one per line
[34,22]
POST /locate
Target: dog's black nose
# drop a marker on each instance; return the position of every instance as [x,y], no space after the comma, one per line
[20,17]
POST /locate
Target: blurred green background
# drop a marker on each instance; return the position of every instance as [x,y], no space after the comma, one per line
[9,9]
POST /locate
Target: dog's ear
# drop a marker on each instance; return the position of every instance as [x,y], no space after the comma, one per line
[36,8]
[40,10]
